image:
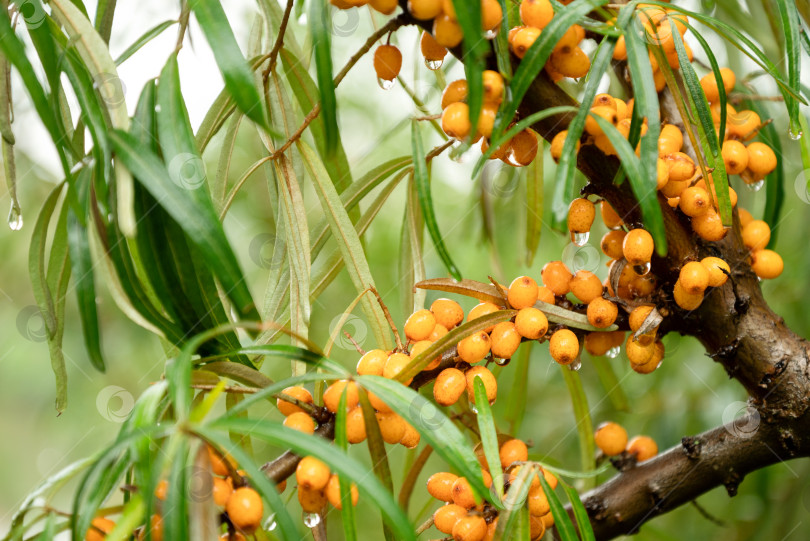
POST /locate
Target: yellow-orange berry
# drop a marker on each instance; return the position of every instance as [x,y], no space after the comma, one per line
[637,351]
[538,502]
[355,426]
[611,243]
[447,31]
[608,113]
[743,124]
[425,10]
[491,15]
[245,509]
[670,140]
[454,92]
[387,62]
[638,316]
[610,217]
[745,217]
[493,87]
[531,323]
[463,494]
[662,173]
[564,346]
[486,119]
[418,348]
[431,50]
[573,63]
[536,13]
[611,438]
[312,501]
[446,516]
[440,486]
[300,421]
[162,488]
[709,226]
[717,269]
[449,386]
[598,343]
[395,364]
[475,347]
[447,312]
[585,286]
[482,309]
[735,157]
[684,299]
[756,235]
[221,490]
[709,84]
[505,340]
[581,213]
[556,277]
[524,147]
[331,396]
[411,437]
[557,143]
[298,393]
[681,166]
[767,264]
[674,189]
[470,528]
[761,159]
[569,40]
[312,473]
[522,292]
[644,447]
[489,381]
[694,277]
[392,426]
[219,463]
[523,39]
[694,201]
[602,312]
[437,332]
[456,120]
[419,325]
[332,492]
[513,451]
[99,528]
[372,362]
[545,295]
[537,528]
[378,403]
[638,247]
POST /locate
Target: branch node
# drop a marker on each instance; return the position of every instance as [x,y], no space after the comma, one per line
[692,447]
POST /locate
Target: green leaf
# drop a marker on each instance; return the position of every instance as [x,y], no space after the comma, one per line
[580,514]
[376,451]
[234,68]
[145,38]
[562,522]
[489,435]
[475,48]
[313,359]
[534,205]
[341,440]
[502,54]
[775,182]
[582,418]
[321,31]
[422,177]
[516,406]
[792,29]
[515,503]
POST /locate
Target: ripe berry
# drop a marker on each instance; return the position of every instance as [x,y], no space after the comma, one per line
[99,528]
[395,364]
[674,188]
[569,40]
[684,299]
[475,347]
[332,492]
[431,50]
[312,501]
[300,421]
[355,426]
[425,10]
[743,124]
[245,509]
[638,316]
[522,292]
[557,144]
[331,396]
[644,447]
[493,87]
[709,226]
[155,529]
[605,100]
[716,111]
[162,488]
[545,295]
[513,451]
[221,490]
[581,213]
[564,346]
[486,119]
[715,266]
[418,348]
[287,408]
[489,381]
[447,31]
[694,201]
[538,502]
[411,437]
[602,312]
[524,147]
[709,84]
[440,486]
[694,277]
[470,528]
[608,113]
[312,473]
[761,159]
[491,15]
[756,235]
[536,13]
[537,528]
[767,264]
[611,438]
[681,166]
[670,140]
[449,385]
[556,277]
[456,120]
[531,323]
[654,362]
[598,343]
[454,93]
[378,404]
[447,312]
[505,340]
[463,494]
[219,463]
[371,364]
[437,332]
[392,426]
[611,243]
[523,39]
[419,325]
[637,351]
[585,286]
[387,62]
[638,247]
[620,51]
[482,309]
[610,217]
[662,173]
[445,517]
[573,63]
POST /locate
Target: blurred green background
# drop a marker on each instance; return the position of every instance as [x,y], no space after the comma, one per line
[688,394]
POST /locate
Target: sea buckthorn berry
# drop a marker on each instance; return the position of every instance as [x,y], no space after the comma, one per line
[573,62]
[245,509]
[162,488]
[608,113]
[219,463]
[505,340]
[717,269]
[637,352]
[449,9]
[557,144]
[395,364]
[312,473]
[537,528]
[491,15]
[482,309]
[470,528]
[756,235]
[745,217]
[300,421]
[602,312]
[564,346]
[437,332]
[716,111]
[420,347]
[538,502]
[674,189]
[454,93]
[709,84]
[709,226]
[585,286]
[620,51]
[536,13]
[598,343]
[694,277]
[431,50]
[378,403]
[681,166]
[761,159]
[556,277]
[513,451]
[735,157]
[446,516]
[523,39]
[670,140]
[440,486]
[742,124]
[287,408]
[331,396]
[531,323]
[449,386]
[545,295]
[638,247]
[312,501]
[662,173]
[447,312]
[387,62]
[644,447]
[456,120]
[332,492]
[581,213]
[372,362]
[767,264]
[524,147]
[463,494]
[419,325]
[684,299]
[493,87]
[155,529]
[611,243]
[392,426]
[639,315]
[604,100]
[522,292]
[425,10]
[654,362]
[569,40]
[411,437]
[642,286]
[99,528]
[475,347]
[610,217]
[221,490]
[386,7]
[611,438]
[447,31]
[489,381]
[355,426]
[621,109]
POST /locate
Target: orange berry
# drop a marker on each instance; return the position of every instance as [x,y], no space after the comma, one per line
[505,340]
[418,348]
[742,124]
[221,490]
[638,316]
[454,93]
[219,463]
[745,217]
[709,84]
[482,309]
[463,494]
[694,277]
[670,140]
[489,381]
[312,473]
[556,277]
[447,312]
[569,40]
[674,189]
[331,396]
[761,159]
[611,243]
[449,386]
[602,313]
[425,10]
[709,226]
[581,213]
[491,15]
[395,364]
[524,147]
[419,325]
[536,13]
[716,267]
[440,486]
[767,264]
[470,528]
[557,144]
[162,488]
[446,516]
[523,39]
[355,426]
[377,403]
[392,426]
[372,362]
[564,346]
[604,100]
[99,528]
[537,528]
[475,347]
[430,48]
[684,299]
[387,62]
[386,7]
[573,63]
[735,157]
[287,408]
[620,51]
[531,323]
[644,447]
[447,31]
[638,247]
[456,120]
[513,451]
[756,235]
[585,286]
[486,119]
[545,295]
[662,172]
[155,529]
[611,438]
[300,421]
[538,502]
[681,166]
[522,292]
[608,113]
[716,112]
[609,216]
[493,87]
[637,351]
[245,509]
[332,492]
[312,501]
[437,332]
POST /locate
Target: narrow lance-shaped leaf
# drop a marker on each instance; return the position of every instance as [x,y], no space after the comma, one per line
[321,30]
[341,440]
[475,48]
[580,513]
[489,435]
[582,418]
[565,528]
[792,29]
[534,205]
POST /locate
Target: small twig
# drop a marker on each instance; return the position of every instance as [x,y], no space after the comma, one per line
[279,40]
[708,516]
[429,117]
[228,389]
[319,530]
[424,526]
[400,347]
[755,131]
[181,30]
[738,97]
[410,479]
[438,150]
[354,343]
[392,25]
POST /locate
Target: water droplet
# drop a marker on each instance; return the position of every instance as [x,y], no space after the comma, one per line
[490,34]
[580,239]
[433,64]
[795,135]
[15,219]
[502,362]
[270,523]
[641,270]
[312,519]
[613,352]
[575,366]
[756,186]
[385,84]
[473,408]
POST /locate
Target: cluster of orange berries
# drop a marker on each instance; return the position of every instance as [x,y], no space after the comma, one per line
[611,438]
[317,485]
[468,520]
